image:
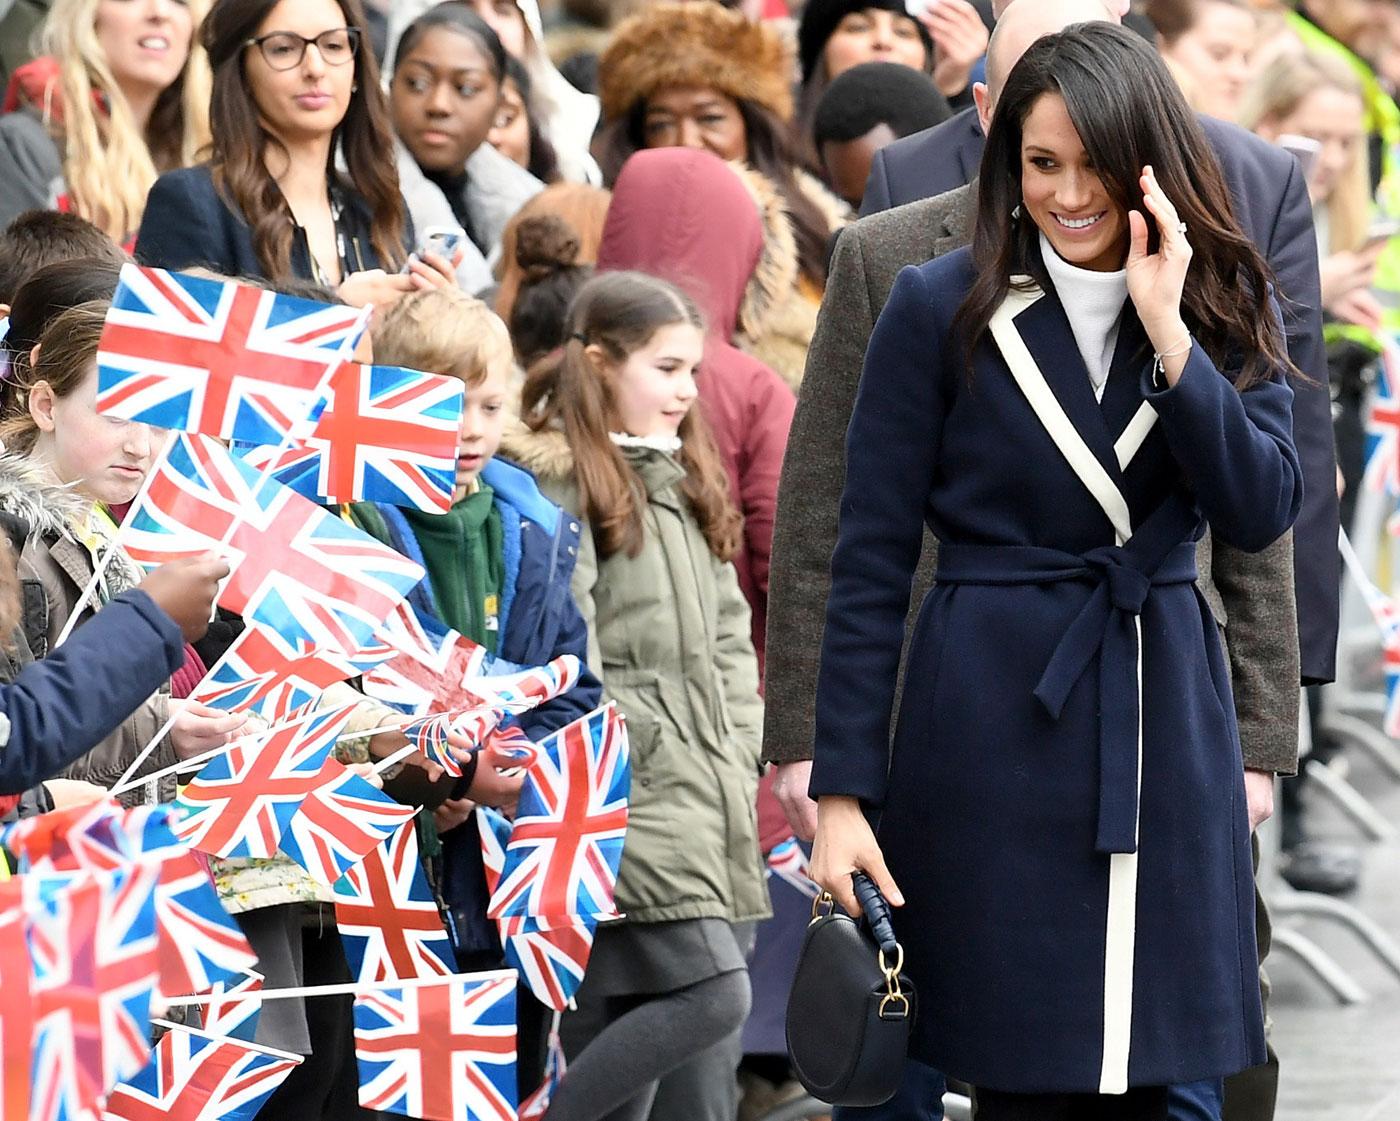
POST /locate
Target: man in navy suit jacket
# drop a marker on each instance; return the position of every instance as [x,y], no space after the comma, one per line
[1271,204]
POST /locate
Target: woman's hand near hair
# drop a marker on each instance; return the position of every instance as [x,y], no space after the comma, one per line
[959,40]
[375,286]
[844,844]
[1157,280]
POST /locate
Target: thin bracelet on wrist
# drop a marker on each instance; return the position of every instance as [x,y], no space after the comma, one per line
[1158,372]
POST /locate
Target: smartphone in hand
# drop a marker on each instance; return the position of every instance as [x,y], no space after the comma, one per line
[444,240]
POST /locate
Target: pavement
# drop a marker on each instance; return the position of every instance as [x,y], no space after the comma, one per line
[1342,1063]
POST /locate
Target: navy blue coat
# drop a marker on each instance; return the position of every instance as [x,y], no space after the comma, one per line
[1271,204]
[188,224]
[55,710]
[1066,933]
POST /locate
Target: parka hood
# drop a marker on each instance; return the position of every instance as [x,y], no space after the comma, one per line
[718,231]
[46,508]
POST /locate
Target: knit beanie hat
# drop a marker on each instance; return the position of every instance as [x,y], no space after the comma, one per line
[694,44]
[821,17]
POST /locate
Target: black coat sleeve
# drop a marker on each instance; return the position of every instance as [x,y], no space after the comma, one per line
[58,708]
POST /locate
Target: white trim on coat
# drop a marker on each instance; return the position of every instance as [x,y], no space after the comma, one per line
[1120,923]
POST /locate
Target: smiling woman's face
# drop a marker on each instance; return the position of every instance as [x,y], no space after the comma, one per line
[1062,194]
[145,42]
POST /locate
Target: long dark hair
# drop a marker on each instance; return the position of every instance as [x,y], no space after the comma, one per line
[772,152]
[364,137]
[1129,113]
[620,312]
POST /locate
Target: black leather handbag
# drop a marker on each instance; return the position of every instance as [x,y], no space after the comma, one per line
[851,1008]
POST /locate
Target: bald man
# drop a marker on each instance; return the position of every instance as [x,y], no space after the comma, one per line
[1252,595]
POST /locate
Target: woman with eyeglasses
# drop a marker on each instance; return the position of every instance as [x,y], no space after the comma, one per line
[295,99]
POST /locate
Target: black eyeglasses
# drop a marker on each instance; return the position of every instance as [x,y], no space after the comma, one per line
[284,50]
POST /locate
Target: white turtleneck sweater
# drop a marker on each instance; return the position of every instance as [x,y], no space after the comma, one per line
[1093,302]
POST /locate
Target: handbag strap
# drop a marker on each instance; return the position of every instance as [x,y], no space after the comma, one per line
[877,912]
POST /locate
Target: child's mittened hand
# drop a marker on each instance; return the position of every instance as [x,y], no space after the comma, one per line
[186,589]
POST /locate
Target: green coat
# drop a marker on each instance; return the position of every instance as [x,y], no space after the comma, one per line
[669,637]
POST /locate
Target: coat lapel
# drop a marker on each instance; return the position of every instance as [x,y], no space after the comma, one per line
[1034,339]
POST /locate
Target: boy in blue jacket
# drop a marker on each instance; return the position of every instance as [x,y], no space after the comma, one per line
[499,564]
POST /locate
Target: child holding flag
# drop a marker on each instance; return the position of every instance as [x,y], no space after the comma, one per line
[66,465]
[499,564]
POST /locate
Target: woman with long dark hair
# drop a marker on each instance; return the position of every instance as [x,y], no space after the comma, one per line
[295,87]
[1068,405]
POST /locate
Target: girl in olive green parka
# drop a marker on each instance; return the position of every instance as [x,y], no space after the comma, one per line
[615,437]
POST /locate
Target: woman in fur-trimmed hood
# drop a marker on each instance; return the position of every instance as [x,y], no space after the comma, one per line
[697,75]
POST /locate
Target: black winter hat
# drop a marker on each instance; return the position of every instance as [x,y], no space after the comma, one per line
[821,17]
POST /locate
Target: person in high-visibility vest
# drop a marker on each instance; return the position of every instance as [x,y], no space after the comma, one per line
[1327,28]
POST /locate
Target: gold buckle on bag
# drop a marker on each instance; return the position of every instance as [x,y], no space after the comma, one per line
[823,900]
[894,992]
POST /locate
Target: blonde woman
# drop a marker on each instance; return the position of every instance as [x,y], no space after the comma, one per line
[120,94]
[1318,97]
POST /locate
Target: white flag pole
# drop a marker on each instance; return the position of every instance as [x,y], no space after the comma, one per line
[96,581]
[351,987]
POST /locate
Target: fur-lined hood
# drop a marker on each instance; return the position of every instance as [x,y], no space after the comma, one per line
[47,508]
[546,454]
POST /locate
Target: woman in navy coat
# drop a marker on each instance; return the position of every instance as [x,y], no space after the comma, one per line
[1067,405]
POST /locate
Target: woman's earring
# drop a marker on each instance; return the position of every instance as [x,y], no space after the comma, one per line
[1016,213]
[354,87]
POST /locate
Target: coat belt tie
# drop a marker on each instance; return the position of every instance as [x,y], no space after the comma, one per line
[1106,627]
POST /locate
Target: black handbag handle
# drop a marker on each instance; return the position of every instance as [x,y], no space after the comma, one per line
[877,913]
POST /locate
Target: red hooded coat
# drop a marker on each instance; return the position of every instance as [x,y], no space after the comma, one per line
[686,216]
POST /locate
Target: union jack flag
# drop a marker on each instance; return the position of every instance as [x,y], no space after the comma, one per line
[199,943]
[291,559]
[490,699]
[242,801]
[340,823]
[274,676]
[387,917]
[428,671]
[16,1007]
[197,1077]
[218,357]
[566,843]
[443,1050]
[534,1107]
[385,435]
[788,862]
[233,1007]
[93,947]
[551,961]
[1383,426]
